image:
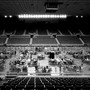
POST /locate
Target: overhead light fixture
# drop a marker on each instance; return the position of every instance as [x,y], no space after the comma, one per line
[5,16]
[10,16]
[81,16]
[52,6]
[76,16]
[41,16]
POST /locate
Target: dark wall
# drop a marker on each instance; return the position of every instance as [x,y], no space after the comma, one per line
[70,23]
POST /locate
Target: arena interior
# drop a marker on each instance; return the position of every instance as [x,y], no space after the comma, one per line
[44,44]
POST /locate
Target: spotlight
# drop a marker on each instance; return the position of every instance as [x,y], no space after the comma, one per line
[76,16]
[10,16]
[81,16]
[5,16]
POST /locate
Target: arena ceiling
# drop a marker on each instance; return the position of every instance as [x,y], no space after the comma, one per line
[70,7]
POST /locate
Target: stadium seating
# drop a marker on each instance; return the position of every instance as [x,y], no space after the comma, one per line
[2,62]
[15,40]
[86,39]
[43,40]
[47,83]
[69,40]
[2,39]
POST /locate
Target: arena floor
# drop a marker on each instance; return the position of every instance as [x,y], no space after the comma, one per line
[43,62]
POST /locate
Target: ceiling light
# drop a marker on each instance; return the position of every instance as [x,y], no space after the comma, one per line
[10,16]
[76,16]
[42,16]
[5,16]
[81,16]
